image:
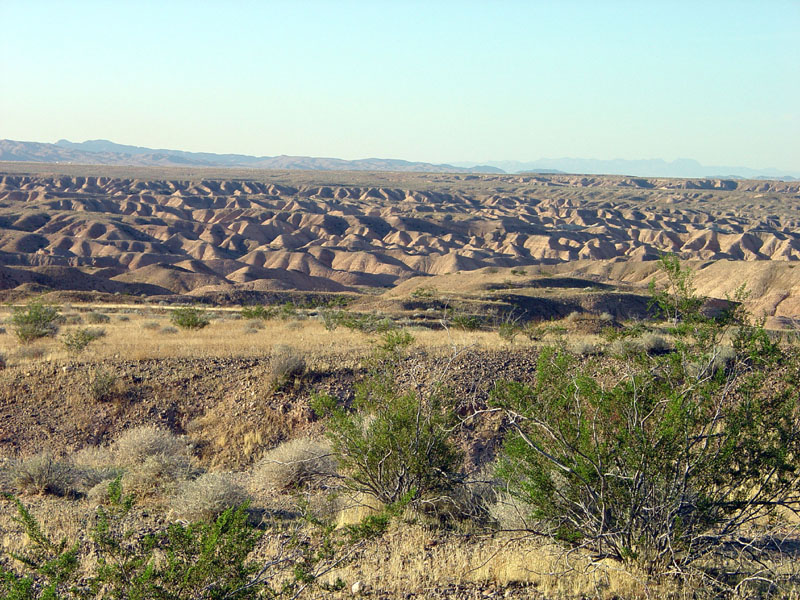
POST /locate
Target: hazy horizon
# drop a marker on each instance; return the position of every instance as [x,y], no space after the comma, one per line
[448,82]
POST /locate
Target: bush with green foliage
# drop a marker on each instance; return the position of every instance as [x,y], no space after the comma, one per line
[176,561]
[36,320]
[97,318]
[663,460]
[103,385]
[77,340]
[189,318]
[393,445]
[259,312]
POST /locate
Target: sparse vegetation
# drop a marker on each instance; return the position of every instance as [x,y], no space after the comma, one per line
[77,340]
[207,497]
[189,318]
[103,385]
[297,464]
[669,465]
[44,474]
[286,364]
[97,318]
[36,320]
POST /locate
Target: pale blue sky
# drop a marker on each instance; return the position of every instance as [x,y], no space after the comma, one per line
[434,81]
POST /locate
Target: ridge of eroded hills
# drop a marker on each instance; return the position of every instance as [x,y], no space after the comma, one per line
[160,233]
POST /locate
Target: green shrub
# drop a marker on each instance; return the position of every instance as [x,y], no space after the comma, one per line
[465,321]
[189,318]
[103,385]
[394,445]
[78,339]
[96,318]
[36,320]
[258,312]
[670,463]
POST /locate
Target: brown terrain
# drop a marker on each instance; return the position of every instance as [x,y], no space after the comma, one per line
[160,233]
[121,247]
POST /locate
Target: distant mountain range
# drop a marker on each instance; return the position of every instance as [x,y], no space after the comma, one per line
[683,167]
[104,152]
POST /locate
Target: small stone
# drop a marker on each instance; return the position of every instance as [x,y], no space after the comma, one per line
[356,588]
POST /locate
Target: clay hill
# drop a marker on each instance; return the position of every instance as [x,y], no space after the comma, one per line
[199,232]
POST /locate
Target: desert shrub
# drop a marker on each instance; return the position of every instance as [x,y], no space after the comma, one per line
[394,445]
[134,445]
[258,312]
[366,323]
[652,343]
[155,461]
[150,325]
[44,474]
[168,330]
[332,318]
[72,319]
[78,339]
[36,320]
[2,362]
[207,497]
[508,331]
[157,475]
[254,324]
[189,318]
[298,463]
[670,464]
[103,385]
[584,348]
[425,291]
[466,322]
[285,365]
[123,318]
[97,318]
[30,352]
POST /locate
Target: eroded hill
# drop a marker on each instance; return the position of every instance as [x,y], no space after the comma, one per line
[160,233]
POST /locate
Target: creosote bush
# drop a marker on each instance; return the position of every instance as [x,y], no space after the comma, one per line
[77,340]
[97,318]
[189,318]
[394,445]
[670,463]
[104,385]
[36,320]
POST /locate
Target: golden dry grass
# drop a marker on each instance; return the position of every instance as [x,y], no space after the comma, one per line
[225,336]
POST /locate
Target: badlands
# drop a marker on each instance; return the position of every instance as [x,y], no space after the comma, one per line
[245,235]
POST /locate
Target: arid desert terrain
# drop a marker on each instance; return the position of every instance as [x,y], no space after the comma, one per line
[300,283]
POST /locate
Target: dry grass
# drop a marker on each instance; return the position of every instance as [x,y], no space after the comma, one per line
[141,338]
[44,474]
[412,557]
[298,463]
[207,497]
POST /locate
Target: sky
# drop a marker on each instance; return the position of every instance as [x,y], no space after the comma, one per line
[434,81]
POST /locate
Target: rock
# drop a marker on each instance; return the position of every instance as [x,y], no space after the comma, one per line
[356,588]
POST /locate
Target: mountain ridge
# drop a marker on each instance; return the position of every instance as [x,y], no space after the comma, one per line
[105,152]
